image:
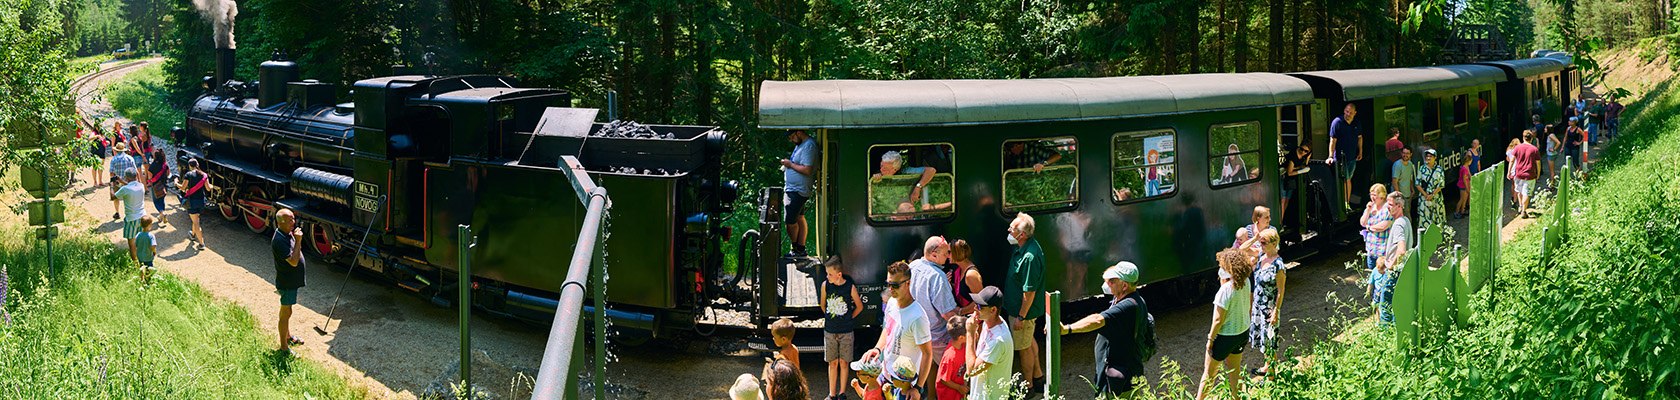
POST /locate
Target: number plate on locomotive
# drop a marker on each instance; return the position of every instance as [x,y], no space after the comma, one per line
[367,197]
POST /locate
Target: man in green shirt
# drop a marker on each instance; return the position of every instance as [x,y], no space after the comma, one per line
[1022,296]
[1405,176]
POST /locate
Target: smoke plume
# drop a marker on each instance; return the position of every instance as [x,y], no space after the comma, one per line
[220,13]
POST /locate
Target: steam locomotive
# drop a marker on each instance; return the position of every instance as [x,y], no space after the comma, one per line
[414,156]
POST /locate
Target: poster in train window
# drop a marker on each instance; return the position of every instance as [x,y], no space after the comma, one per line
[911,182]
[1040,174]
[1142,165]
[1233,153]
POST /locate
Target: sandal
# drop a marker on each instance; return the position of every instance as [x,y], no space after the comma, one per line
[293,341]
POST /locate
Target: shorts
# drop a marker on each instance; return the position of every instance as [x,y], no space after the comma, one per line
[1226,345]
[195,205]
[1523,186]
[287,296]
[1288,193]
[1346,167]
[131,228]
[793,206]
[1024,335]
[837,346]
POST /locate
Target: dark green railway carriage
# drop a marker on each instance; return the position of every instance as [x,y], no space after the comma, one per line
[1442,108]
[1538,84]
[1159,170]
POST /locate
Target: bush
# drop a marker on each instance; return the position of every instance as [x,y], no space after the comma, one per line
[1598,322]
[142,96]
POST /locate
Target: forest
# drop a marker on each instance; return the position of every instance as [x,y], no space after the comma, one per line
[700,62]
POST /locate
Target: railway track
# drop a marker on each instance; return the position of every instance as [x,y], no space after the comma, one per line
[86,87]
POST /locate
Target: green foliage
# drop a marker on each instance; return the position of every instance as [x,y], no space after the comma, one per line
[1595,323]
[142,96]
[95,331]
[1025,190]
[1514,19]
[890,193]
[35,79]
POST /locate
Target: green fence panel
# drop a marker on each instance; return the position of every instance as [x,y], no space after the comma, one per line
[1487,198]
[1419,294]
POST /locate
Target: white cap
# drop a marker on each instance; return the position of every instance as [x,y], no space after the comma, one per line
[1124,271]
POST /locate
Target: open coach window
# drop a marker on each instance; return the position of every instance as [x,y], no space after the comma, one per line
[911,182]
[1143,164]
[1233,153]
[1040,174]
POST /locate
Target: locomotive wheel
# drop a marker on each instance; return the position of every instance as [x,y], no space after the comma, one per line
[322,240]
[257,220]
[229,209]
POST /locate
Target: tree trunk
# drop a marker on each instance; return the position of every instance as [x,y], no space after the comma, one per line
[1275,42]
[1219,59]
[703,74]
[1195,16]
[1240,23]
[1322,35]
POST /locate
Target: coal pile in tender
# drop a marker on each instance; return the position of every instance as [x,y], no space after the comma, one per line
[630,130]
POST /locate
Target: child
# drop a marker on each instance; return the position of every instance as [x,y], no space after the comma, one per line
[782,332]
[840,304]
[951,385]
[902,376]
[746,388]
[868,382]
[144,248]
[1463,206]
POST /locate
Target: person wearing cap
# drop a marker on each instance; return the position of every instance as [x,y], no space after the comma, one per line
[120,161]
[1432,210]
[797,171]
[1117,358]
[991,348]
[746,388]
[867,385]
[1573,137]
[901,379]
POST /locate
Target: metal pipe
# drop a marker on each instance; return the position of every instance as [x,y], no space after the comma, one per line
[1053,344]
[554,377]
[464,244]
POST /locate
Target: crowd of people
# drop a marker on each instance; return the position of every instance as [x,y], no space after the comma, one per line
[139,174]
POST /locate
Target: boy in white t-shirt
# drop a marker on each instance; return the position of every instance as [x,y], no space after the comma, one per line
[991,348]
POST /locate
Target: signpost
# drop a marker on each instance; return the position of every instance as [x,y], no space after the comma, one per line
[43,182]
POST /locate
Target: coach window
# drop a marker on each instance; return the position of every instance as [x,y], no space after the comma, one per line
[1141,165]
[1040,174]
[1233,153]
[911,182]
[1431,119]
[1461,109]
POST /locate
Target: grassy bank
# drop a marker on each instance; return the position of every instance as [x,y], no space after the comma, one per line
[142,96]
[1599,322]
[95,332]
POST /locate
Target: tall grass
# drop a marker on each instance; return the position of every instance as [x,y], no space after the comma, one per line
[94,331]
[1598,322]
[143,96]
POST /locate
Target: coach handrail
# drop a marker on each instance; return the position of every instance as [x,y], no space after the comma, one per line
[555,378]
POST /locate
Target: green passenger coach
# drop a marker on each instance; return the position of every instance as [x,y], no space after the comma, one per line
[1158,170]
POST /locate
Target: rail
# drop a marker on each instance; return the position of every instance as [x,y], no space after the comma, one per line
[557,376]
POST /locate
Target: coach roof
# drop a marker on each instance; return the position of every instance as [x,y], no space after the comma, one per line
[878,104]
[1529,66]
[1361,84]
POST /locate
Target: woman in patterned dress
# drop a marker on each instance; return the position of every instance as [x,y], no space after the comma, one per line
[1268,299]
[1375,220]
[1431,209]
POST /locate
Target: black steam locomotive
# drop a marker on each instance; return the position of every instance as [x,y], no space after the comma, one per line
[414,156]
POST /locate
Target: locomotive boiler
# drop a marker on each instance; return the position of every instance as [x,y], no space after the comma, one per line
[413,156]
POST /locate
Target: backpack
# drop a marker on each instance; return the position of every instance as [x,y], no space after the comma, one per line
[1147,344]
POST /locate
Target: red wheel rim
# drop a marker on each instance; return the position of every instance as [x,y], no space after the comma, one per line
[321,238]
[230,211]
[257,220]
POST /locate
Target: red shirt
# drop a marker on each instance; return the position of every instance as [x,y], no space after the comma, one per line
[951,369]
[1524,166]
[1392,148]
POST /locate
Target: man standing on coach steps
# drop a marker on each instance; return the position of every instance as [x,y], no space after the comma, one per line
[797,171]
[288,271]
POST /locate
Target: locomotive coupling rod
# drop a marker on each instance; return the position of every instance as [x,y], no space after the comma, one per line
[556,378]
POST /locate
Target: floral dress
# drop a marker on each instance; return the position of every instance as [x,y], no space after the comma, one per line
[1432,211]
[1262,334]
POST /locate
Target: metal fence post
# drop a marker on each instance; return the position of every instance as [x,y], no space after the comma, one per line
[598,285]
[464,244]
[1053,344]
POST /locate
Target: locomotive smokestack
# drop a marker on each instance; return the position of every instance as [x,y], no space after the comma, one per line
[224,66]
[220,14]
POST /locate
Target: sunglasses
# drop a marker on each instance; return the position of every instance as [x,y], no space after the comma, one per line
[895,285]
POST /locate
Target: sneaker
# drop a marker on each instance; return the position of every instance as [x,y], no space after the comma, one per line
[116,216]
[293,341]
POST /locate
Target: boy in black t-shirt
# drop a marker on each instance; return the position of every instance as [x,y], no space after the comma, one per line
[841,305]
